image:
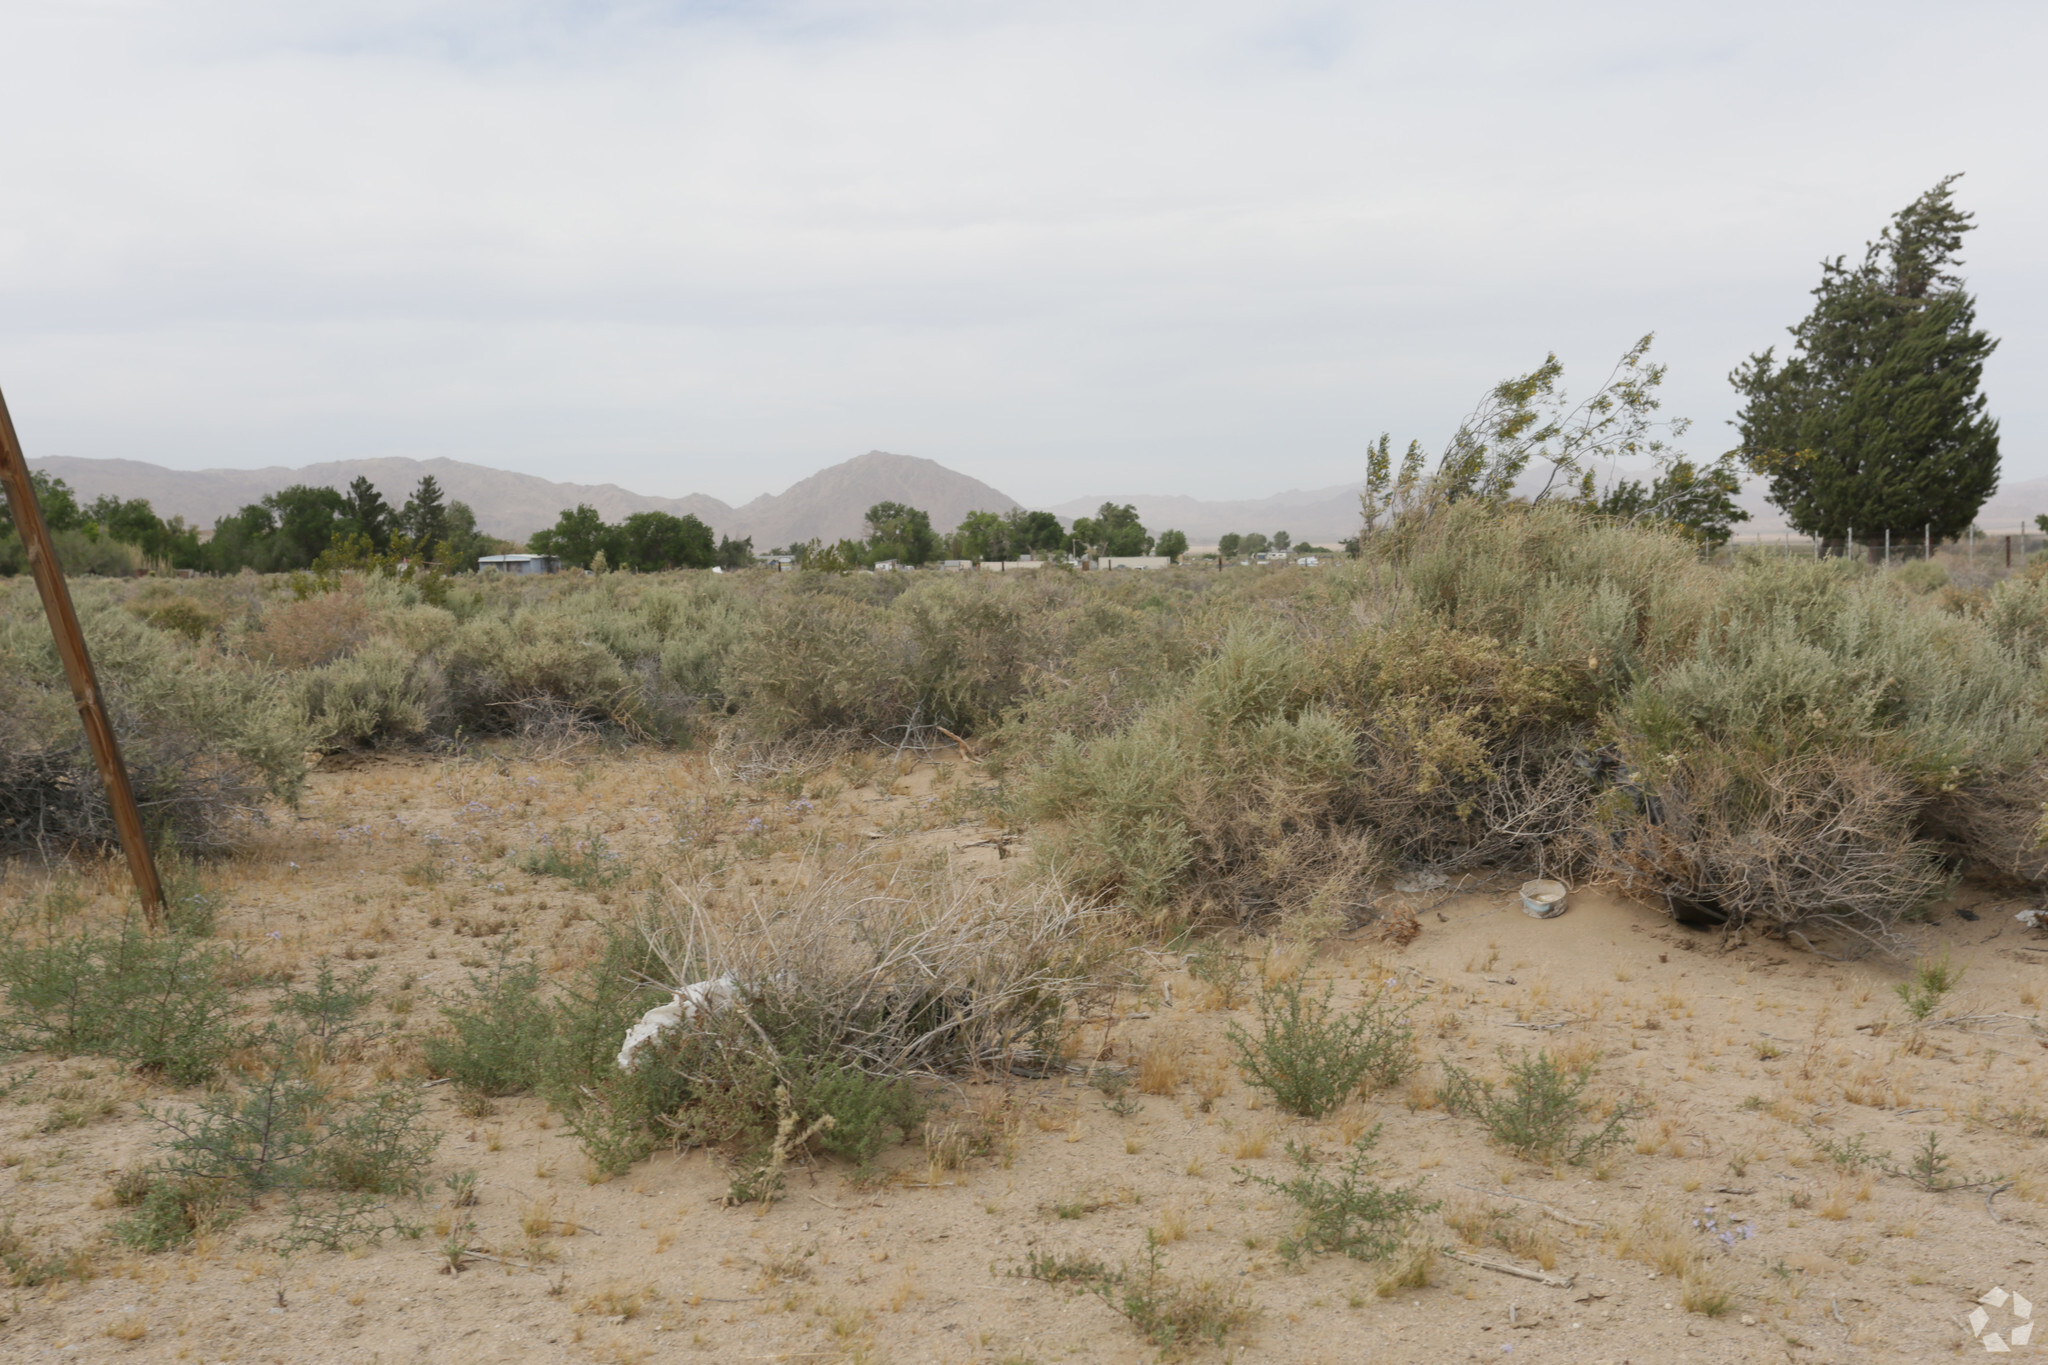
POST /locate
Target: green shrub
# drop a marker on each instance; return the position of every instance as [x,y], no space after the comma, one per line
[1541,1110]
[161,1004]
[1171,1314]
[1311,1057]
[284,1130]
[1354,1213]
[582,860]
[169,1212]
[1933,978]
[499,1030]
[332,1009]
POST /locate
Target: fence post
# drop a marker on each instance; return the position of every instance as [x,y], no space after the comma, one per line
[85,688]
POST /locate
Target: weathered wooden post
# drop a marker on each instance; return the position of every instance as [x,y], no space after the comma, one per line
[85,688]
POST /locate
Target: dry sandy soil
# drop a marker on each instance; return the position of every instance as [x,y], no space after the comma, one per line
[1748,1052]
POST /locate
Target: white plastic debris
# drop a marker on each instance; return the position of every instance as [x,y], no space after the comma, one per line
[699,997]
[2033,919]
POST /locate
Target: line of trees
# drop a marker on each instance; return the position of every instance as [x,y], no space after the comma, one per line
[901,534]
[645,542]
[287,530]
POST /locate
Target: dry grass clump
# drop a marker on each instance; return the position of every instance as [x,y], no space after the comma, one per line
[929,973]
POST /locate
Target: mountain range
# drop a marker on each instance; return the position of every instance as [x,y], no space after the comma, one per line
[827,506]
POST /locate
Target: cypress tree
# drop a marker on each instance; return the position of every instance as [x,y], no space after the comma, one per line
[1874,421]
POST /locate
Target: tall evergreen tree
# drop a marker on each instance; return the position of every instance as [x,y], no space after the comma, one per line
[1874,421]
[425,518]
[368,514]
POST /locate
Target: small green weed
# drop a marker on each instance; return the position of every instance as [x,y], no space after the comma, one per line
[1932,978]
[1848,1154]
[1930,1166]
[1353,1213]
[1311,1057]
[582,860]
[1171,1314]
[1542,1109]
[330,1010]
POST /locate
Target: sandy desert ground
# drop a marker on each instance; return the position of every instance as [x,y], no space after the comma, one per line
[1751,1055]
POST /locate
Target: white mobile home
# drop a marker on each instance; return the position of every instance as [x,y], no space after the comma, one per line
[518,564]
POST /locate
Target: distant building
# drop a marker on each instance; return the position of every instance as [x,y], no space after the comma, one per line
[956,565]
[776,562]
[1309,561]
[521,563]
[1006,566]
[886,566]
[1134,562]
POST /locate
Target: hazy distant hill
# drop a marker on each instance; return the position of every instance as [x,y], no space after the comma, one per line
[1316,516]
[827,505]
[506,504]
[831,503]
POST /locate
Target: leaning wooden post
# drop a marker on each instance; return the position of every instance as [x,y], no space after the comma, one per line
[85,688]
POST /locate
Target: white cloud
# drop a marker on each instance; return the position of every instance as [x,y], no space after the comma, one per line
[1192,247]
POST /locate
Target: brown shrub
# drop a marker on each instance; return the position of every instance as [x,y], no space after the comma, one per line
[316,631]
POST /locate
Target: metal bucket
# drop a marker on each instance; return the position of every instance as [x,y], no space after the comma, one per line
[1543,898]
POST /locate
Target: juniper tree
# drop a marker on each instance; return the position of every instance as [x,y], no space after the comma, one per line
[1874,421]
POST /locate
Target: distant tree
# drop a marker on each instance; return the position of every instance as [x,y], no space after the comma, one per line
[901,533]
[131,521]
[984,535]
[1113,531]
[366,511]
[306,521]
[424,519]
[464,545]
[1035,531]
[1281,540]
[1228,545]
[1874,421]
[1253,544]
[1172,544]
[241,540]
[649,541]
[1700,502]
[60,505]
[736,554]
[575,538]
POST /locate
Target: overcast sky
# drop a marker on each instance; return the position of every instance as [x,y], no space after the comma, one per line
[1067,248]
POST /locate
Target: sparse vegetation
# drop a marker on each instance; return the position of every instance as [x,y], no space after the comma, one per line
[1169,1313]
[1352,1213]
[1541,1108]
[1312,1057]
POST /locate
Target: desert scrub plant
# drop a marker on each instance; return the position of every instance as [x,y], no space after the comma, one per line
[1312,1057]
[584,861]
[847,991]
[332,1009]
[1930,1166]
[1540,1109]
[206,737]
[285,1129]
[1933,978]
[1172,1314]
[498,1029]
[159,1003]
[1353,1213]
[1224,794]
